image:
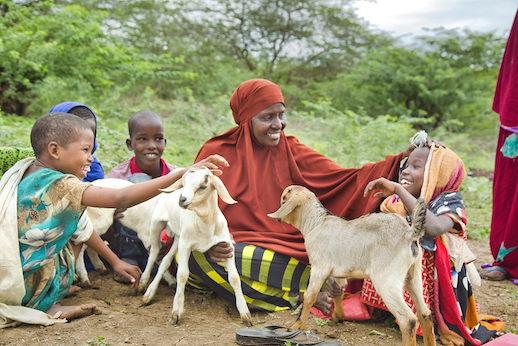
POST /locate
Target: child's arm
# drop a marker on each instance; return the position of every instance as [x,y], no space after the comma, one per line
[103,197]
[120,267]
[435,225]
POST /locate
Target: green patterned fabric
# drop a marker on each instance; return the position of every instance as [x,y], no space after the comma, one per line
[9,156]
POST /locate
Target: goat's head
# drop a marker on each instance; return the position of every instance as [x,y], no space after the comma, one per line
[197,184]
[292,198]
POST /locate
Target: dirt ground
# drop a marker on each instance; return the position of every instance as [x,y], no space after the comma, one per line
[212,321]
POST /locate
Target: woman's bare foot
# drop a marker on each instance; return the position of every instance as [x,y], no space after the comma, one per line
[71,312]
[73,289]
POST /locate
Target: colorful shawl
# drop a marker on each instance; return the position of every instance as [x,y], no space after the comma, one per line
[9,156]
[37,244]
[96,169]
[258,174]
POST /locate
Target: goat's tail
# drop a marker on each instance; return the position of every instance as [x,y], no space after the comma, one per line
[419,218]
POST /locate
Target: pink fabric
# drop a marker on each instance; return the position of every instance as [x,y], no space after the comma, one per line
[123,170]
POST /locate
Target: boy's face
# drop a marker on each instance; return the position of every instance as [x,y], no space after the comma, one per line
[77,156]
[148,143]
[412,176]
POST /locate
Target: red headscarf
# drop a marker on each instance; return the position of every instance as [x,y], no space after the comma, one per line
[258,174]
[505,102]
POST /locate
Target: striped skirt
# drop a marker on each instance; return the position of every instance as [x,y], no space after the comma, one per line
[270,281]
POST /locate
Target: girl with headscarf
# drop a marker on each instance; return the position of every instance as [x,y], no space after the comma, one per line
[84,112]
[271,256]
[503,238]
[436,174]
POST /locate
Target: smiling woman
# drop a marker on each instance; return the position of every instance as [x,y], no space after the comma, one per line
[270,256]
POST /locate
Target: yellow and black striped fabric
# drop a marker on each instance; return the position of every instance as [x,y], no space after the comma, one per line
[270,281]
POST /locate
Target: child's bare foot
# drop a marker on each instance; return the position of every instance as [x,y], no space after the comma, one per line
[71,312]
[73,289]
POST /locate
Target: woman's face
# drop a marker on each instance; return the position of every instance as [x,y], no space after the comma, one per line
[268,124]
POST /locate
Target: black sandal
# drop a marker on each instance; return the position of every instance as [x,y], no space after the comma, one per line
[268,336]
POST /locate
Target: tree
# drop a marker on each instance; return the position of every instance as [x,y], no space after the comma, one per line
[39,40]
[447,80]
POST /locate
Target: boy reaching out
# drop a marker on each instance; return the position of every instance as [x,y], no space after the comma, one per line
[43,225]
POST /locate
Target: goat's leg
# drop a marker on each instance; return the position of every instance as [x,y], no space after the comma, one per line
[182,274]
[153,255]
[338,313]
[96,261]
[316,280]
[390,289]
[414,285]
[235,282]
[164,266]
[81,272]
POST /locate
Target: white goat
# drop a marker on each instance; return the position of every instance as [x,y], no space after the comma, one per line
[198,224]
[138,218]
[380,246]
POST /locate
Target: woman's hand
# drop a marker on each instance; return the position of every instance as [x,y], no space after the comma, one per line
[128,271]
[221,251]
[386,186]
[212,162]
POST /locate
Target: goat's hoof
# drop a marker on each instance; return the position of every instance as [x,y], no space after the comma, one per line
[248,323]
[175,319]
[296,325]
[104,271]
[335,318]
[85,284]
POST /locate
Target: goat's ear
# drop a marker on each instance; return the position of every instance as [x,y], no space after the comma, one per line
[286,208]
[222,190]
[177,185]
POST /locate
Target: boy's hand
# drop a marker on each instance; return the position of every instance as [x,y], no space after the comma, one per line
[386,186]
[128,271]
[212,162]
[119,214]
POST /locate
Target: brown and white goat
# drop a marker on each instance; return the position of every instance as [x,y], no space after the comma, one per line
[380,246]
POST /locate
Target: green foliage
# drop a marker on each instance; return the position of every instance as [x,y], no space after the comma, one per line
[448,80]
[44,45]
[351,139]
[477,195]
[514,292]
[321,322]
[99,341]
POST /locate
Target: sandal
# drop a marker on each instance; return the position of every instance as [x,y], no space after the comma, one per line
[268,336]
[491,269]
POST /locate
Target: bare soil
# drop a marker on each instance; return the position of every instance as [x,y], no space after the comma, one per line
[213,321]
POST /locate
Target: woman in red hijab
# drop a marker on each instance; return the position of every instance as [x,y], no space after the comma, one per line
[503,237]
[270,256]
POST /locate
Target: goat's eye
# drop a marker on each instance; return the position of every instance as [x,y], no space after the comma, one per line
[201,188]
